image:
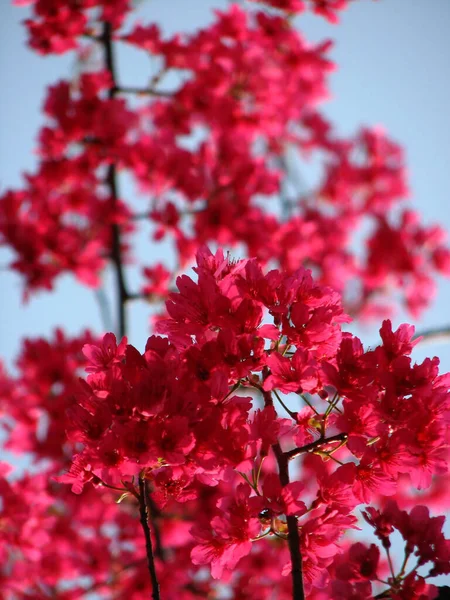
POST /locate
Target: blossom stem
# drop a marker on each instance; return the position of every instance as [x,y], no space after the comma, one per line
[405,561]
[293,415]
[281,536]
[410,572]
[263,535]
[339,437]
[113,487]
[391,567]
[258,473]
[332,404]
[305,399]
[232,390]
[144,513]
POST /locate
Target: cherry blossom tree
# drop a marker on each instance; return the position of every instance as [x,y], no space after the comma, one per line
[239,453]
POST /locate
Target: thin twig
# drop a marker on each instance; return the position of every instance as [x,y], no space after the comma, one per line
[391,566]
[144,513]
[143,92]
[292,414]
[111,180]
[339,437]
[105,311]
[438,335]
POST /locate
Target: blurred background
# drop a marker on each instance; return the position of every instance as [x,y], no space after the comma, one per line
[392,58]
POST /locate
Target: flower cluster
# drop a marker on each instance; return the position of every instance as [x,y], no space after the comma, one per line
[56,27]
[196,416]
[361,418]
[34,403]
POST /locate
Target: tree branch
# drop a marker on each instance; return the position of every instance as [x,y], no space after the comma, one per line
[154,514]
[144,513]
[436,335]
[111,181]
[340,437]
[123,296]
[293,535]
[143,92]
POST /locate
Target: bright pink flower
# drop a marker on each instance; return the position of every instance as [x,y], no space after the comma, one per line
[382,522]
[371,480]
[296,374]
[79,474]
[397,343]
[282,500]
[103,357]
[219,550]
[265,429]
[229,539]
[336,489]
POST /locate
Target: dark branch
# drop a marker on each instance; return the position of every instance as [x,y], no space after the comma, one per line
[267,395]
[293,535]
[144,513]
[111,181]
[123,297]
[154,515]
[143,92]
[340,437]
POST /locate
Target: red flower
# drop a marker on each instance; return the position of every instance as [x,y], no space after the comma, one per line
[282,500]
[229,538]
[359,563]
[296,374]
[103,357]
